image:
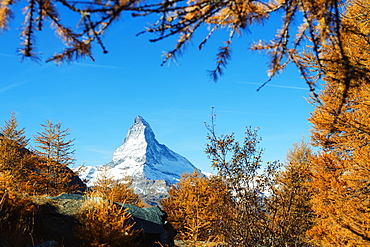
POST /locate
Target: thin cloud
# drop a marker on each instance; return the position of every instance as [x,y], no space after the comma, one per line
[87,65]
[246,113]
[273,85]
[97,150]
[7,88]
[7,55]
[98,66]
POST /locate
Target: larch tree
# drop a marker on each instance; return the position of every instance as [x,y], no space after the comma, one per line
[104,223]
[307,28]
[197,207]
[341,129]
[115,190]
[341,169]
[14,155]
[56,155]
[289,205]
[240,167]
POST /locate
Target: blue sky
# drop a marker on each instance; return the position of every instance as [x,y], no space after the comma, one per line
[99,100]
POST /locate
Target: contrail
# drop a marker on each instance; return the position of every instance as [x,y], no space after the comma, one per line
[273,85]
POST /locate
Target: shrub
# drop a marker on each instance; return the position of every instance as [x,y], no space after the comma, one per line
[103,223]
[16,213]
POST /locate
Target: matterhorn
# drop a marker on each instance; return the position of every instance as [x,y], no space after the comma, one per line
[152,166]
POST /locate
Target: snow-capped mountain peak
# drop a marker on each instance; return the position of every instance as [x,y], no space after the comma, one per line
[142,157]
[135,142]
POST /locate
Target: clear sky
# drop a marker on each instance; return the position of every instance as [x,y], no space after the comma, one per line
[99,100]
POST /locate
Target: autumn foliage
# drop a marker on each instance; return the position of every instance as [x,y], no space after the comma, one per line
[319,198]
[270,205]
[305,31]
[115,190]
[290,204]
[16,212]
[245,204]
[56,154]
[340,170]
[15,159]
[104,223]
[196,207]
[28,175]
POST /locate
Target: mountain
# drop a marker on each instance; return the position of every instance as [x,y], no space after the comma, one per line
[152,165]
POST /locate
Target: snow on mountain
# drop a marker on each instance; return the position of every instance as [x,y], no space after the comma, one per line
[141,157]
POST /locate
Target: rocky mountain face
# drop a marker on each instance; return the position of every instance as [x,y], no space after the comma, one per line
[152,165]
